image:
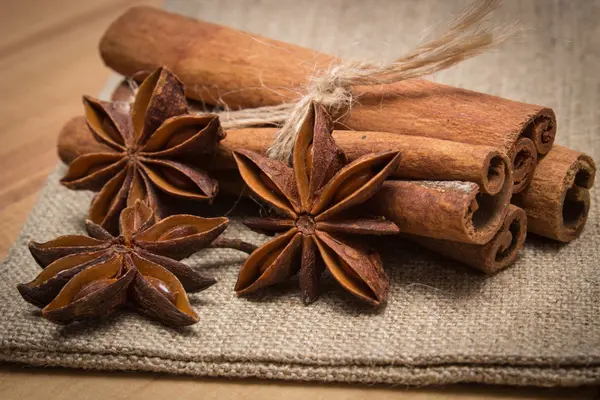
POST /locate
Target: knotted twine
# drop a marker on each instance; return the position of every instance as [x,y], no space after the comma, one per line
[465,37]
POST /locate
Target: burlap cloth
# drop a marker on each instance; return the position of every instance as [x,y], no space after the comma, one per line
[537,323]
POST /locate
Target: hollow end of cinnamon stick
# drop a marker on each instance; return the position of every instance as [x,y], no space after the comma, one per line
[576,199]
[485,219]
[557,201]
[575,210]
[494,174]
[492,257]
[503,249]
[541,129]
[524,159]
[484,216]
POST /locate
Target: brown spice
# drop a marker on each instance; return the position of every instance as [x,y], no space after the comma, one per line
[311,201]
[557,200]
[524,159]
[155,152]
[145,37]
[90,277]
[450,210]
[494,256]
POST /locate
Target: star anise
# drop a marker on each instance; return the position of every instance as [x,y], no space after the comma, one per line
[313,199]
[91,276]
[159,151]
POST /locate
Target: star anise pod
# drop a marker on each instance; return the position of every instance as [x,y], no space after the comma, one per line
[91,276]
[159,151]
[313,199]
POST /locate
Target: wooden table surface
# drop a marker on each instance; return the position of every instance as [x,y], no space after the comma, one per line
[48,59]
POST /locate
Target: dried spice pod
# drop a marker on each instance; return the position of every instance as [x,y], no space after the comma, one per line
[90,277]
[154,151]
[557,200]
[310,201]
[451,210]
[143,37]
[494,256]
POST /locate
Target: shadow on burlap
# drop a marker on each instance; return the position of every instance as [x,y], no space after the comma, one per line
[537,323]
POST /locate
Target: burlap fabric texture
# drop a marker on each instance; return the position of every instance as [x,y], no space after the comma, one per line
[537,323]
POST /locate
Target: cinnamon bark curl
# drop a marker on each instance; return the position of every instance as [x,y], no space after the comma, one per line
[144,38]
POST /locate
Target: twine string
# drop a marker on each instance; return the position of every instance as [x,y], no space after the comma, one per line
[465,37]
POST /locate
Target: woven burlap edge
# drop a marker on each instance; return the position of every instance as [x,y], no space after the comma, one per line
[392,374]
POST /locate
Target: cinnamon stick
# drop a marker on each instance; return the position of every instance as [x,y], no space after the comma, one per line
[260,71]
[422,158]
[491,257]
[433,159]
[557,200]
[453,210]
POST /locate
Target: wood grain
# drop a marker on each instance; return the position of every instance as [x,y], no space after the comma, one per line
[48,59]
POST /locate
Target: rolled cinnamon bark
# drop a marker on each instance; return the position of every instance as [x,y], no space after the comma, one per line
[453,210]
[432,159]
[497,254]
[557,200]
[524,159]
[261,71]
[422,158]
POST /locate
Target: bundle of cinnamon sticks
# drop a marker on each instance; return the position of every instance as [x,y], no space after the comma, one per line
[477,171]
